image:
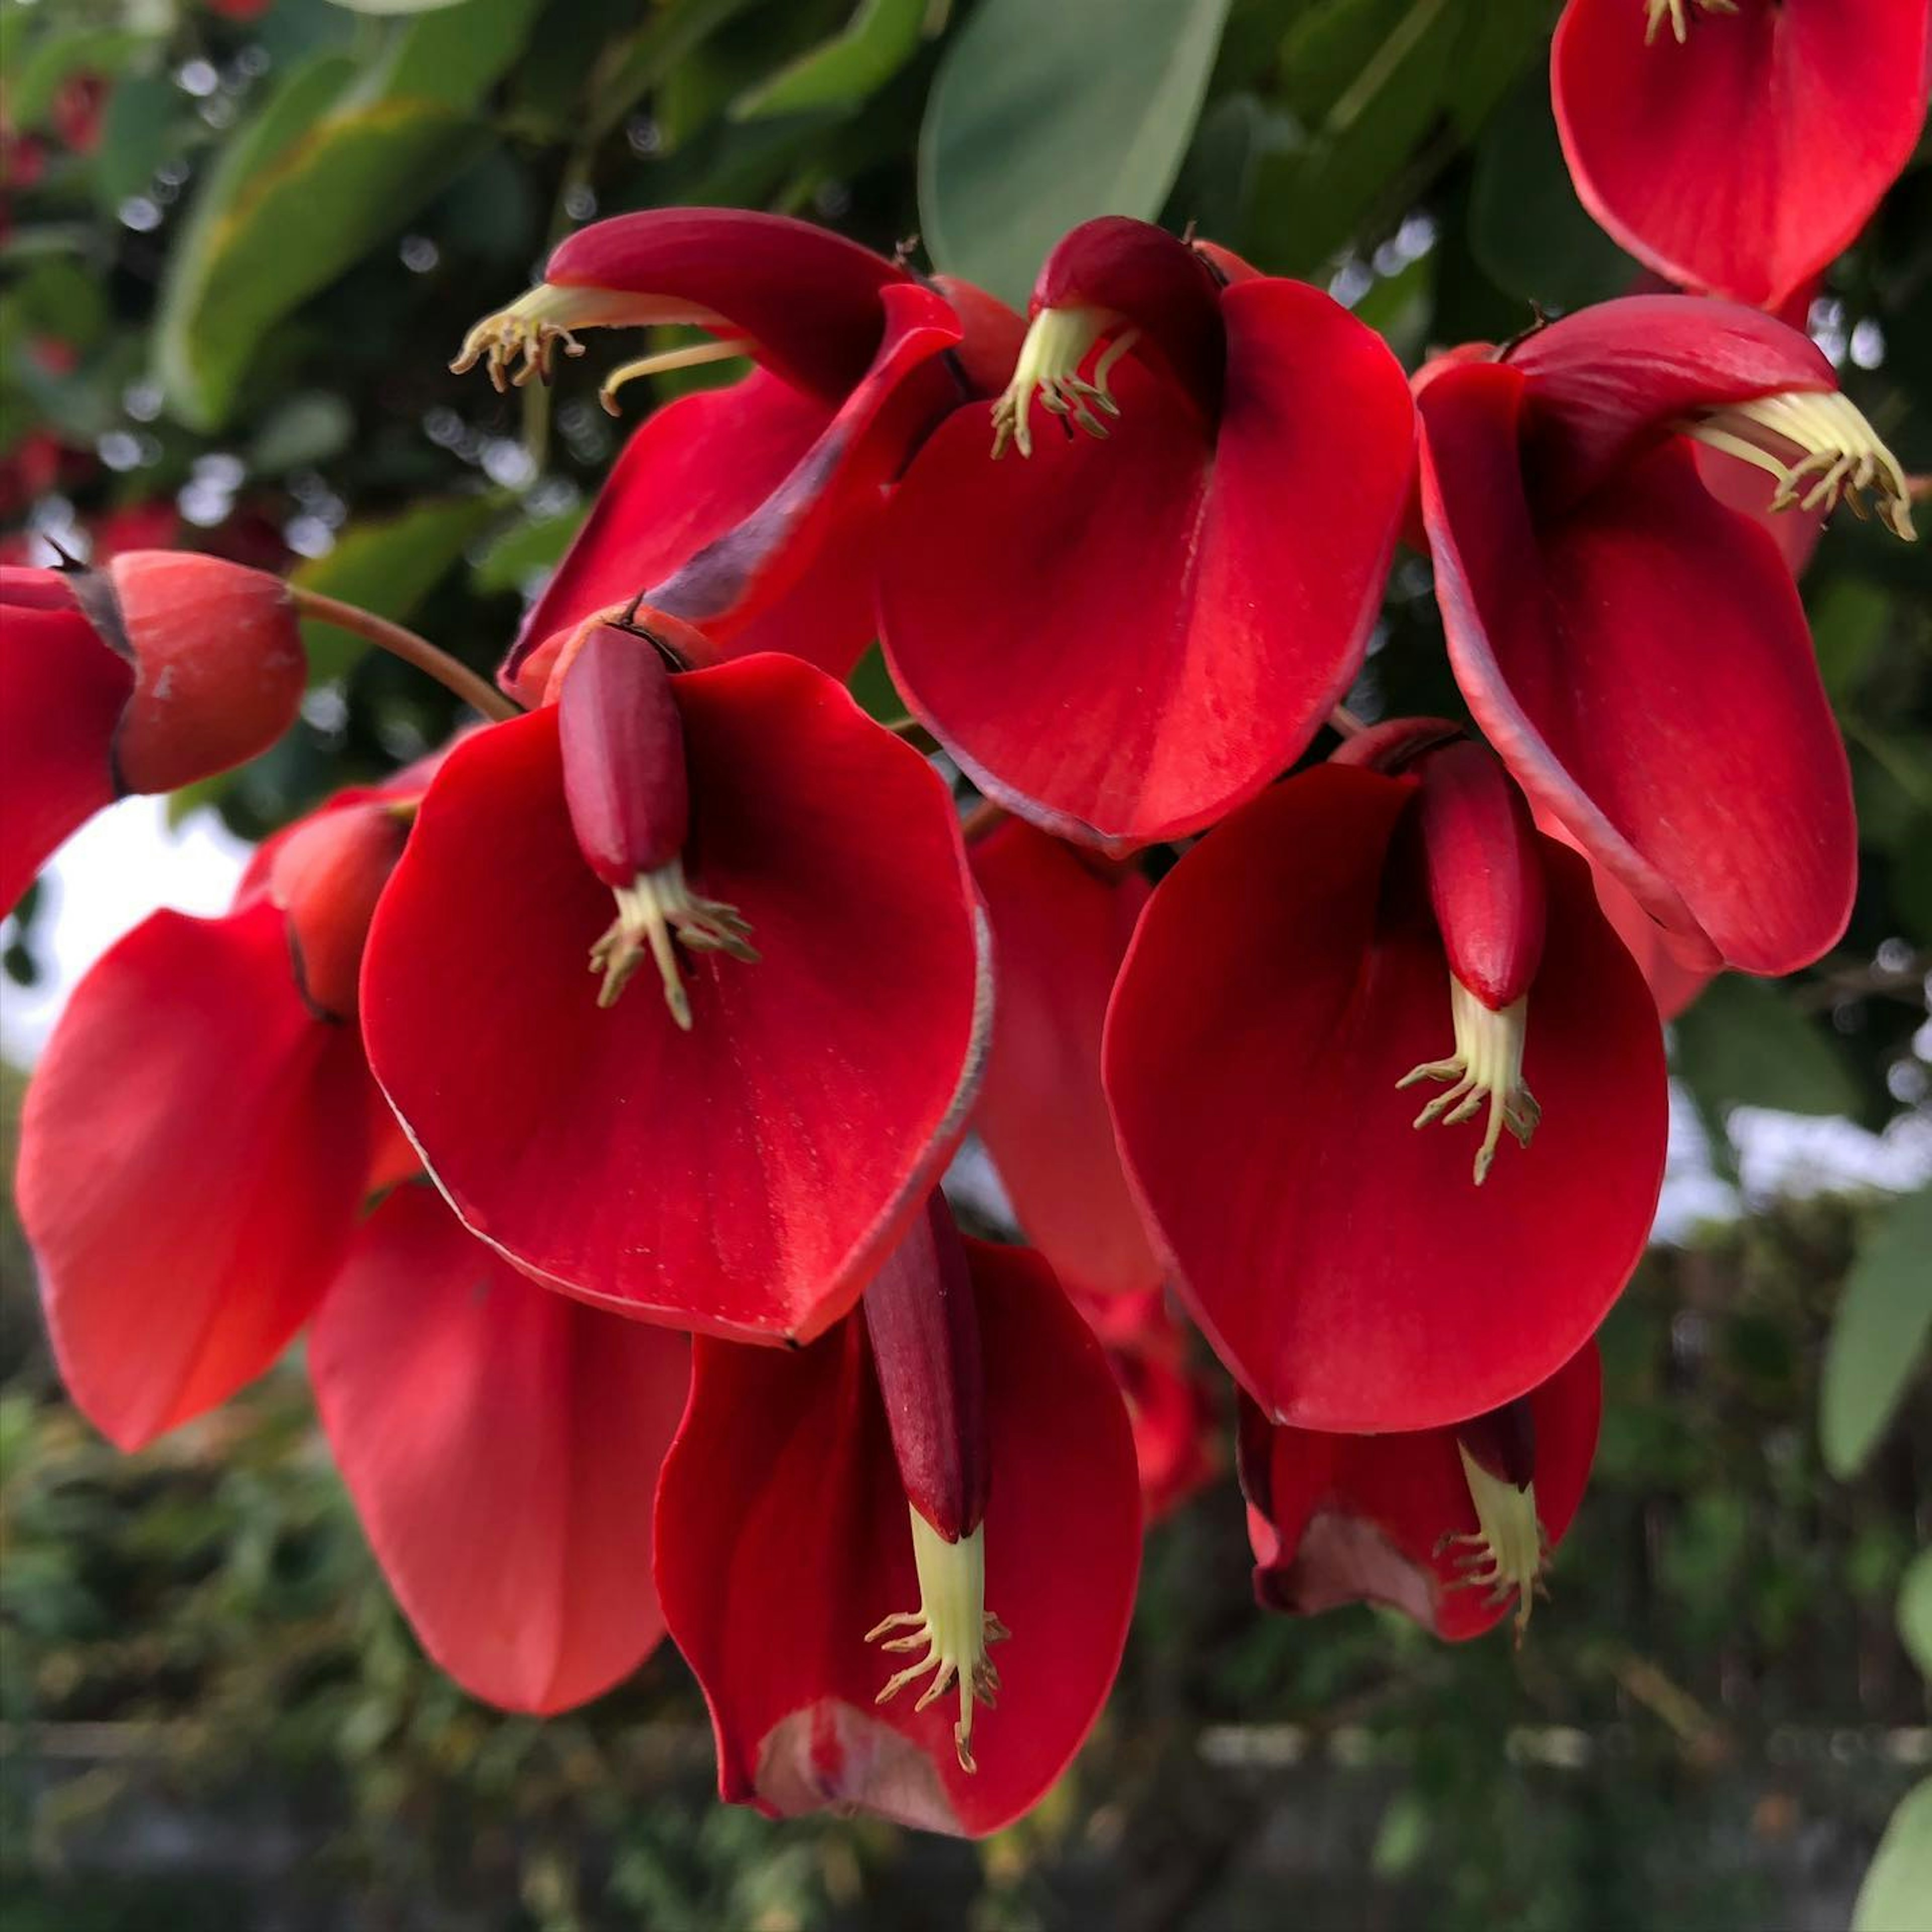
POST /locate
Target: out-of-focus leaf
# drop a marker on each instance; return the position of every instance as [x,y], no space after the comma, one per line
[657,49]
[1915,1613]
[1527,229]
[306,429]
[1893,1897]
[881,37]
[396,6]
[1499,39]
[389,567]
[455,54]
[1848,617]
[1912,879]
[1743,1044]
[1879,1333]
[52,58]
[1042,116]
[135,135]
[523,550]
[1215,189]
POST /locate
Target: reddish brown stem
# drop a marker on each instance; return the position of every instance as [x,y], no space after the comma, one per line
[476,692]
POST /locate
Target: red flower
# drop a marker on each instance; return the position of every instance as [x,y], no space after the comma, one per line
[1636,652]
[1452,1526]
[1285,991]
[1125,633]
[739,1162]
[750,510]
[1737,146]
[162,668]
[501,1445]
[1061,921]
[1176,1421]
[200,1133]
[971,1406]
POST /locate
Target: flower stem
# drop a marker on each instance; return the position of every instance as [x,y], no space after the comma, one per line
[1344,720]
[476,692]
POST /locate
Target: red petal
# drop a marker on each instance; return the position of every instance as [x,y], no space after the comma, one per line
[192,1157]
[1184,614]
[1343,1263]
[783,1537]
[1060,930]
[502,1445]
[62,692]
[1176,1422]
[1747,158]
[1362,1519]
[1607,382]
[808,297]
[1643,668]
[744,1178]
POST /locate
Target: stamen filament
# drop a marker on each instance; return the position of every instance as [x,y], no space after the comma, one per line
[690,357]
[1508,1552]
[1057,343]
[657,905]
[518,344]
[1673,10]
[1486,1067]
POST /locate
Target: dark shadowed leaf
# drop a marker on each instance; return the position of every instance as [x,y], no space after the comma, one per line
[1878,1334]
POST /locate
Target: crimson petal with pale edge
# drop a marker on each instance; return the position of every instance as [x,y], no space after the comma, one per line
[783,1537]
[1060,932]
[1750,157]
[745,1178]
[1122,640]
[193,1153]
[62,691]
[1641,664]
[502,1445]
[1338,1519]
[1343,1264]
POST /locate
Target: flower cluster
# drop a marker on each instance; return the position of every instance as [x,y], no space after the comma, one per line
[584,1091]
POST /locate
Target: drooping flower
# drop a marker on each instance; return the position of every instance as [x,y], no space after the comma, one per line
[1061,921]
[1453,1526]
[1124,632]
[957,1445]
[162,668]
[1282,1001]
[1737,146]
[751,510]
[501,1445]
[1636,651]
[199,1135]
[736,1155]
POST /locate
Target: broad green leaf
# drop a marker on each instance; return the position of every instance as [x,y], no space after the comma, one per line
[881,37]
[455,54]
[305,429]
[1531,235]
[1899,1882]
[630,70]
[1743,1044]
[1879,1333]
[1915,1613]
[137,131]
[396,6]
[335,186]
[1849,616]
[523,550]
[389,567]
[1043,115]
[1215,190]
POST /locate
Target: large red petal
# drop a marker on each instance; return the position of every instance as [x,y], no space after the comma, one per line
[1123,640]
[1355,1519]
[1348,1272]
[743,1178]
[502,1445]
[62,692]
[192,1156]
[1747,158]
[783,1537]
[1642,666]
[1060,930]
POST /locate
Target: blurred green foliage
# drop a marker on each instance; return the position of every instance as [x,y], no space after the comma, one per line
[237,255]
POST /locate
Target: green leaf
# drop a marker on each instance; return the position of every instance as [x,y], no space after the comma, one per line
[1899,1882]
[304,430]
[340,178]
[1878,1334]
[1043,115]
[456,54]
[387,566]
[1743,1044]
[136,133]
[1530,235]
[880,38]
[1915,1613]
[523,550]
[1849,617]
[396,6]
[57,57]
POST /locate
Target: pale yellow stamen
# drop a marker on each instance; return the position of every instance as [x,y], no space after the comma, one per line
[650,911]
[690,357]
[1059,341]
[518,344]
[1486,1067]
[1658,11]
[1820,450]
[1508,1552]
[954,1624]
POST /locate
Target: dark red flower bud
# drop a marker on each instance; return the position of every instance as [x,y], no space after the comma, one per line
[327,876]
